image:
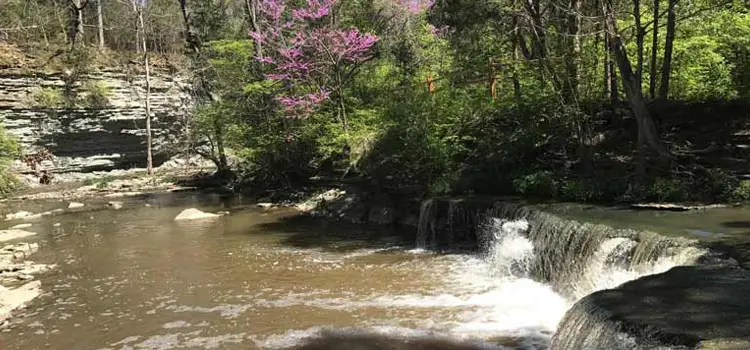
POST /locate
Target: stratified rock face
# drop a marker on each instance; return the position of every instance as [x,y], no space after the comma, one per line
[87,138]
[686,307]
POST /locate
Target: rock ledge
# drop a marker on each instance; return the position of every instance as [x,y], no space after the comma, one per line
[704,307]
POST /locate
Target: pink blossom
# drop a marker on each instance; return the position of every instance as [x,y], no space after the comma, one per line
[305,53]
[315,9]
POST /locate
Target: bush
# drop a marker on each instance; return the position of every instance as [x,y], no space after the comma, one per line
[9,150]
[96,94]
[47,98]
[741,192]
[666,190]
[540,184]
[582,190]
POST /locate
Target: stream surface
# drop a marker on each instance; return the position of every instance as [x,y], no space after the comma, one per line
[261,279]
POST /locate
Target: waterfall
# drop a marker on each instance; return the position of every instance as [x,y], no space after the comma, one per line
[579,258]
[427,213]
[575,259]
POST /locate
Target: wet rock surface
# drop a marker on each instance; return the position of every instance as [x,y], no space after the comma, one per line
[16,277]
[688,306]
[7,235]
[195,214]
[353,206]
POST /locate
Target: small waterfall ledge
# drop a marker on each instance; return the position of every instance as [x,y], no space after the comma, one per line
[633,289]
[687,307]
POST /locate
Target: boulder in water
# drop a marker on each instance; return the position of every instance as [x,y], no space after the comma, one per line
[115,205]
[19,215]
[7,235]
[75,205]
[695,307]
[195,214]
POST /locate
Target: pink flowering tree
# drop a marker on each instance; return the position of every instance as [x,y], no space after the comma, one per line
[309,55]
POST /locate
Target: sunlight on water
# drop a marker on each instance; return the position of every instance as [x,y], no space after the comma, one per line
[136,280]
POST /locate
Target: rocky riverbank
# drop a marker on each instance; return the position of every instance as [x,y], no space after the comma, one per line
[17,273]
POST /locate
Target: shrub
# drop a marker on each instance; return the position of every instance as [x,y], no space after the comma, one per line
[9,150]
[96,94]
[587,190]
[741,192]
[47,98]
[663,190]
[540,183]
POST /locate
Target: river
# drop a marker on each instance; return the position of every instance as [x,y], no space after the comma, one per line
[263,279]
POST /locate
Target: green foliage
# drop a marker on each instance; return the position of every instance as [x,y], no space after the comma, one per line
[531,140]
[741,192]
[100,182]
[701,71]
[589,190]
[667,190]
[96,94]
[47,97]
[537,184]
[9,150]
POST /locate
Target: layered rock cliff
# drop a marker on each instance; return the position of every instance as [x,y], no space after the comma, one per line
[86,137]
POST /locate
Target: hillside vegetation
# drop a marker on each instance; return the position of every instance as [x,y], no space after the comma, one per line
[607,100]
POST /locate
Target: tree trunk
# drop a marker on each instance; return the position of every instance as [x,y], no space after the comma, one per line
[574,41]
[634,91]
[539,43]
[251,7]
[640,34]
[100,23]
[654,52]
[194,43]
[75,31]
[79,15]
[610,75]
[147,68]
[666,68]
[516,82]
[219,131]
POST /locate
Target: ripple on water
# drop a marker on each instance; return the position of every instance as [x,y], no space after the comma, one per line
[191,340]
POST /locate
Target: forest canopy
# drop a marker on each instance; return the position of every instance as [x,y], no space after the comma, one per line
[580,100]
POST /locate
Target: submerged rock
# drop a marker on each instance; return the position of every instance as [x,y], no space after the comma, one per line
[7,235]
[13,299]
[11,253]
[195,214]
[691,307]
[75,205]
[18,215]
[22,226]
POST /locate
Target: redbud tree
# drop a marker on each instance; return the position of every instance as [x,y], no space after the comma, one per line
[311,57]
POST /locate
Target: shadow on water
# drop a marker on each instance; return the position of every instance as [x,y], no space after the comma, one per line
[736,224]
[311,233]
[379,342]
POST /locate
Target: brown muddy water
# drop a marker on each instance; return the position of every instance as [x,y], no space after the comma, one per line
[260,279]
